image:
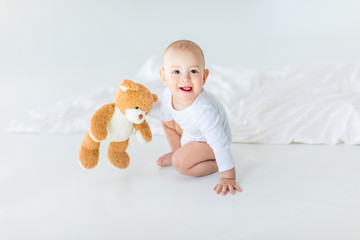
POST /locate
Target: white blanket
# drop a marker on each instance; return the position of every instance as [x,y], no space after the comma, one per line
[311,103]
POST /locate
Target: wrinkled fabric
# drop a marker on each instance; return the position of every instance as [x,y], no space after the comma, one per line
[309,103]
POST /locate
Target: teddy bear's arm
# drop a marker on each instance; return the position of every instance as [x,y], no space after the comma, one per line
[143,130]
[100,120]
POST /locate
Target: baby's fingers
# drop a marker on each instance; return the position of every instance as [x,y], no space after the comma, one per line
[237,188]
[217,188]
[224,190]
[231,189]
[224,186]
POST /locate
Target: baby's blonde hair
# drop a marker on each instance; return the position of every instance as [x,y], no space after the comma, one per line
[187,45]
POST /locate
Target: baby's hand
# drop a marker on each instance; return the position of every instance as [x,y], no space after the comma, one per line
[227,184]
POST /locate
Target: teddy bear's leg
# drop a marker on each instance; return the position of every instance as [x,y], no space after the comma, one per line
[117,155]
[89,152]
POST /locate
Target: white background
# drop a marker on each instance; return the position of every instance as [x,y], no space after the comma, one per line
[64,48]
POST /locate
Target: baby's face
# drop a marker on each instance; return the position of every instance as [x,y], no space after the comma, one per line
[184,74]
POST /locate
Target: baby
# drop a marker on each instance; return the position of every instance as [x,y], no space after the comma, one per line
[194,121]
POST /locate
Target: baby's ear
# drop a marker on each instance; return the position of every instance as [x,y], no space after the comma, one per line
[155,97]
[162,76]
[206,74]
[127,84]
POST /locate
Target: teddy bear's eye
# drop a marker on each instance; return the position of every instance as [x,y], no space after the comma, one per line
[136,107]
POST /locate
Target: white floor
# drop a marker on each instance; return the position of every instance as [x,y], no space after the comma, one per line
[289,192]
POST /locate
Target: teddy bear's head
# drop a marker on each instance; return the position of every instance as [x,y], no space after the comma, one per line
[134,100]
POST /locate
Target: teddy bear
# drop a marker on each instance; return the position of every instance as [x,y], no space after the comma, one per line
[116,122]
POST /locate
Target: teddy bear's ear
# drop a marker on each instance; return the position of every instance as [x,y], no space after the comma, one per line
[155,97]
[127,84]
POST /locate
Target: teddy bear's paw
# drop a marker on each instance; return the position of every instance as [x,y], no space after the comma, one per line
[119,159]
[141,138]
[88,158]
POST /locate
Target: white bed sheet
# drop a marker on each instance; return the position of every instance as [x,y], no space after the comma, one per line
[310,103]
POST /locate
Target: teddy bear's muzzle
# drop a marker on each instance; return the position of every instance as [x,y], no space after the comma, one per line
[136,116]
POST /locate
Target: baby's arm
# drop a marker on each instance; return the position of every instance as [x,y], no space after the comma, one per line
[155,111]
[159,109]
[210,125]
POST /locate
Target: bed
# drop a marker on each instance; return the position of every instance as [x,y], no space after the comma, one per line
[317,103]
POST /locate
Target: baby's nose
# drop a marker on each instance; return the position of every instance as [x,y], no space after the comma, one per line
[186,77]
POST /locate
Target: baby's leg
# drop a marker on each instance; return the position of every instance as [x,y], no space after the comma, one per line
[173,134]
[195,159]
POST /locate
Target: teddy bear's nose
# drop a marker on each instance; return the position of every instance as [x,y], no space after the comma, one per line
[141,116]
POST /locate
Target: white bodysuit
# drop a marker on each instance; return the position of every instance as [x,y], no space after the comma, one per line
[204,120]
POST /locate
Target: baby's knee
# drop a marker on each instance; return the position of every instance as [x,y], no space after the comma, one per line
[179,164]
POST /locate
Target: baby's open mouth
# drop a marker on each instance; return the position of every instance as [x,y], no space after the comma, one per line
[186,89]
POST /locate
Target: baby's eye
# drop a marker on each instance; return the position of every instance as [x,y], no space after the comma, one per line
[194,71]
[176,72]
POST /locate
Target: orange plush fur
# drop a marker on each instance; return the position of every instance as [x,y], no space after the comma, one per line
[115,122]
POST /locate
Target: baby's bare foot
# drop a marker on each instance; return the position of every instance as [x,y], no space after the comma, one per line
[165,160]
